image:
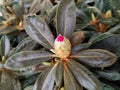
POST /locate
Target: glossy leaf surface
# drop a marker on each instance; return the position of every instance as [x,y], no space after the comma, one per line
[96,57]
[66,18]
[26,59]
[46,80]
[4,46]
[70,82]
[38,30]
[84,76]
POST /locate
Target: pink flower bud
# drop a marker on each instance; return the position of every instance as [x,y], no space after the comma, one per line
[62,47]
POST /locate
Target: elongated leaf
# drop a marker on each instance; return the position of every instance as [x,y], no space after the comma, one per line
[26,59]
[84,76]
[99,37]
[66,18]
[38,30]
[28,87]
[109,74]
[69,81]
[35,6]
[46,80]
[45,7]
[59,74]
[7,29]
[96,57]
[8,82]
[18,11]
[111,44]
[115,30]
[5,46]
[26,44]
[80,47]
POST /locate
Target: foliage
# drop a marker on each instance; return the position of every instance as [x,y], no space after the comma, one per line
[60,45]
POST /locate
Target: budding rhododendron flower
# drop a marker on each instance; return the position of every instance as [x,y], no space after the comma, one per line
[62,47]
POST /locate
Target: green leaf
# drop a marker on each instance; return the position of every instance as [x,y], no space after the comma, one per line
[115,30]
[96,38]
[26,44]
[59,74]
[4,46]
[46,80]
[84,76]
[29,80]
[28,87]
[69,81]
[8,82]
[26,59]
[38,30]
[109,74]
[96,57]
[109,21]
[107,87]
[66,18]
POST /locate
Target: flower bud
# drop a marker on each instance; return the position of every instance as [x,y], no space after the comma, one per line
[62,47]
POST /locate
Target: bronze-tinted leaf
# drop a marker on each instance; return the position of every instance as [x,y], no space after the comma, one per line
[4,46]
[18,11]
[66,18]
[70,82]
[96,57]
[45,7]
[77,38]
[59,74]
[7,29]
[26,44]
[8,82]
[35,6]
[84,76]
[80,47]
[46,80]
[26,59]
[38,30]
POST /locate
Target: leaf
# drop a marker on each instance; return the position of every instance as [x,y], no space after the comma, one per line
[66,18]
[8,82]
[26,59]
[107,87]
[18,11]
[111,44]
[115,30]
[84,76]
[109,74]
[38,30]
[101,36]
[28,87]
[45,7]
[58,72]
[29,80]
[4,46]
[35,6]
[46,80]
[80,47]
[95,57]
[7,29]
[69,81]
[26,44]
